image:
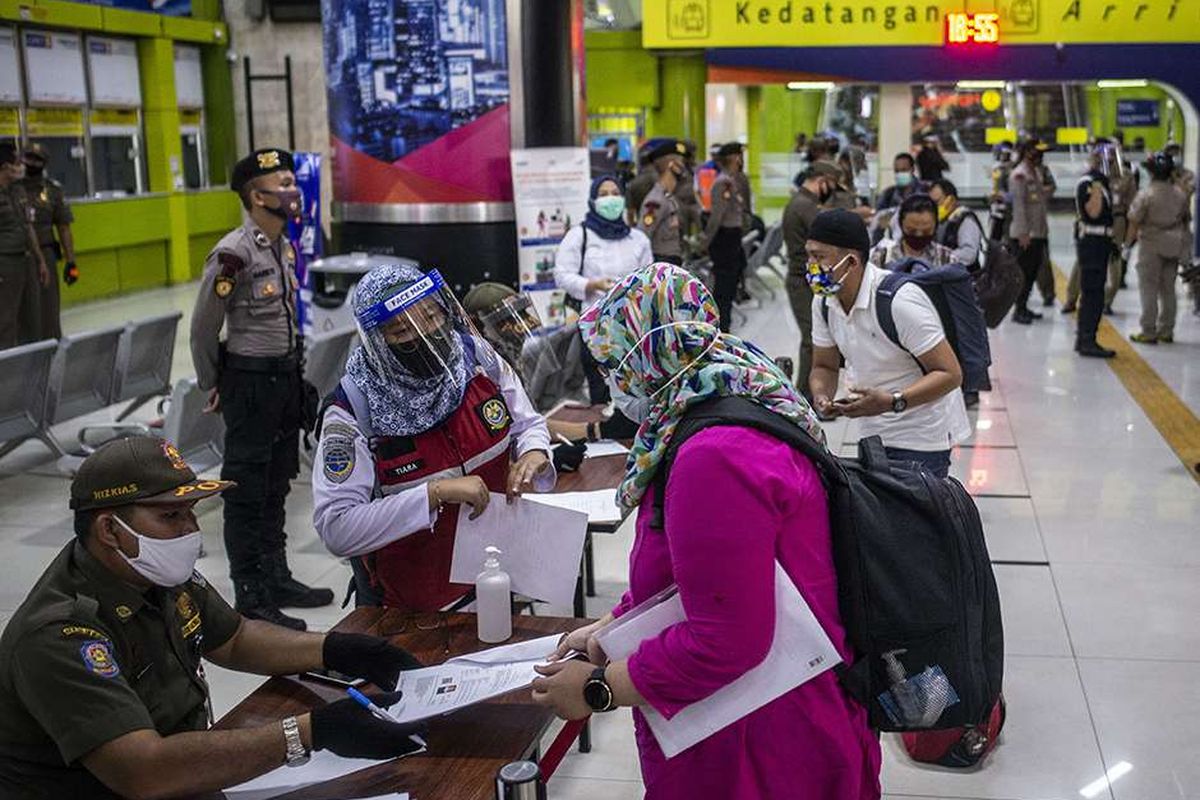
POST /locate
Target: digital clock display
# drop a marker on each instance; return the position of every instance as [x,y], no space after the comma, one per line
[972,28]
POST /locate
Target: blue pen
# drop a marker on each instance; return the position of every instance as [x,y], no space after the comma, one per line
[379,713]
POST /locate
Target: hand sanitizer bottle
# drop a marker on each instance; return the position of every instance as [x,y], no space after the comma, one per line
[493,600]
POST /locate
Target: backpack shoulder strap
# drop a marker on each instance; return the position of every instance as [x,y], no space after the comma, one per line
[885,293]
[358,405]
[583,248]
[745,412]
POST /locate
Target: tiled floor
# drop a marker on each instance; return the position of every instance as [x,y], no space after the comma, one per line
[1089,515]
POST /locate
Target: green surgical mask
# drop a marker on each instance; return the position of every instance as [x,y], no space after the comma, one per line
[611,207]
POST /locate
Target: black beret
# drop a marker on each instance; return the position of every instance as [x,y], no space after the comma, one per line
[840,227]
[669,147]
[258,163]
[730,149]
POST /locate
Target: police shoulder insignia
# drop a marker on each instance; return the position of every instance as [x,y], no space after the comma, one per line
[338,460]
[83,630]
[648,220]
[124,612]
[494,414]
[261,239]
[98,658]
[223,286]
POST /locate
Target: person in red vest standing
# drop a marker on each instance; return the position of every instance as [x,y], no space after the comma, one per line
[427,419]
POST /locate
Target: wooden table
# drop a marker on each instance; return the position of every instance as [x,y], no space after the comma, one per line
[466,747]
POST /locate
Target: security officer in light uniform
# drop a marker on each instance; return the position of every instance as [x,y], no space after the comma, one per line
[21,266]
[659,216]
[255,381]
[102,684]
[723,233]
[50,214]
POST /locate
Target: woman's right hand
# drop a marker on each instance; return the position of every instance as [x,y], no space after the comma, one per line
[583,640]
[600,284]
[467,490]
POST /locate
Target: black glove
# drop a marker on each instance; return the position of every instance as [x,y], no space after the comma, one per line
[568,457]
[70,273]
[349,730]
[367,657]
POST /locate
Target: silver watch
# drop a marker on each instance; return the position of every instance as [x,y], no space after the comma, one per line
[297,755]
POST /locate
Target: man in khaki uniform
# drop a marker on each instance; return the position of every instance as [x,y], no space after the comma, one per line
[102,685]
[722,236]
[22,267]
[659,216]
[816,187]
[1158,220]
[50,214]
[1030,226]
[255,381]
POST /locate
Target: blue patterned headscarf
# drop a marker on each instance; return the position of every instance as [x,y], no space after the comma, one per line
[635,332]
[401,404]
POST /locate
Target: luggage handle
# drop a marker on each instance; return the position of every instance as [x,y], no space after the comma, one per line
[872,455]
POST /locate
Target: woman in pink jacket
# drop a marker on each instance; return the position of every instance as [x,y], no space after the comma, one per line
[737,500]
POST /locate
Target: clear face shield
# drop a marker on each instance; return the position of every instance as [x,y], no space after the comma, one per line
[1109,160]
[417,332]
[514,328]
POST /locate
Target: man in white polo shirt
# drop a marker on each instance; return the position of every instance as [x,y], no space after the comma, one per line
[908,395]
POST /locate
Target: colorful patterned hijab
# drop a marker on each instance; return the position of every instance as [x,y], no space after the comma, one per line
[625,333]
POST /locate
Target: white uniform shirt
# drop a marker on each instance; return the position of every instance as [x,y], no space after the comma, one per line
[605,258]
[352,523]
[873,361]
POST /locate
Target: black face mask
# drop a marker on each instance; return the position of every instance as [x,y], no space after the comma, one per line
[32,171]
[826,193]
[917,243]
[288,198]
[429,355]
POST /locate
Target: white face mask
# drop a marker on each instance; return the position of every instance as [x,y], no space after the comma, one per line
[677,375]
[164,562]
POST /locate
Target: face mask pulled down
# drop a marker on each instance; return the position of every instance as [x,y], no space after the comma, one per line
[163,562]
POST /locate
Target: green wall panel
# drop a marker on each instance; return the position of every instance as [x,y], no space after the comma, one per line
[622,78]
[99,276]
[131,23]
[117,223]
[217,211]
[142,266]
[199,247]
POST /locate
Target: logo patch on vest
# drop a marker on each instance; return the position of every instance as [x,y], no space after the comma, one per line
[494,414]
[338,458]
[97,657]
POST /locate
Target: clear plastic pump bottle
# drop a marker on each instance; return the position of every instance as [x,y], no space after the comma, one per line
[493,600]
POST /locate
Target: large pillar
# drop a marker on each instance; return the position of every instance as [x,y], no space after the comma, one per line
[164,153]
[895,127]
[680,110]
[423,112]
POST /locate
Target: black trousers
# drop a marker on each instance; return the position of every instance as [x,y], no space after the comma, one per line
[598,390]
[262,412]
[729,262]
[1093,253]
[1030,259]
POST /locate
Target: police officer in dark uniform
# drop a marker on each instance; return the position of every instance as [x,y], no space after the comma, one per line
[102,685]
[51,213]
[1094,247]
[255,380]
[660,217]
[21,264]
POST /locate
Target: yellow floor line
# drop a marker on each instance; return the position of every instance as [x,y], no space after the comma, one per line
[1176,422]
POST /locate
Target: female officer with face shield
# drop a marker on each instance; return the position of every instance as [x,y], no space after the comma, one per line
[426,419]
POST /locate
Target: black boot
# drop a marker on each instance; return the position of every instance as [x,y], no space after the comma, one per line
[252,600]
[1094,350]
[286,591]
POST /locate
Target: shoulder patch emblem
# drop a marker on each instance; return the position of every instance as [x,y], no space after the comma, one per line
[230,263]
[648,220]
[338,457]
[98,658]
[494,414]
[340,429]
[727,194]
[223,286]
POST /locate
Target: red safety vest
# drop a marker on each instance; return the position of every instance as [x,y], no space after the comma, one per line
[414,572]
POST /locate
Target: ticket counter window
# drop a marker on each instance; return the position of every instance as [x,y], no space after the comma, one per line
[67,162]
[192,149]
[116,164]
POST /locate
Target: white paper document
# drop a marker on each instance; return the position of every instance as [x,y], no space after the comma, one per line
[599,505]
[800,652]
[606,447]
[323,766]
[473,678]
[541,547]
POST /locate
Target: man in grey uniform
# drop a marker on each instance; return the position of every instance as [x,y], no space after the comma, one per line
[659,216]
[21,263]
[723,233]
[255,381]
[1030,225]
[51,214]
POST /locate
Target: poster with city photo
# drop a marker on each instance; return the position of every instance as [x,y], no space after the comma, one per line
[550,192]
[418,100]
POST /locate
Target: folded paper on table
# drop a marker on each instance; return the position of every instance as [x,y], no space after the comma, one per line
[323,766]
[800,652]
[469,679]
[541,545]
[600,505]
[606,447]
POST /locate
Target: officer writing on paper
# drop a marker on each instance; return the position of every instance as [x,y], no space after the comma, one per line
[254,380]
[102,686]
[657,334]
[427,418]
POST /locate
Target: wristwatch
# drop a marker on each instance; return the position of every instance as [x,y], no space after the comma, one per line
[898,402]
[297,755]
[597,693]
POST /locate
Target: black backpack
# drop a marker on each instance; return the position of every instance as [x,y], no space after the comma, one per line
[915,586]
[998,284]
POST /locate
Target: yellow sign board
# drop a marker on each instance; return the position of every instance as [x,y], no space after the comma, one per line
[54,121]
[116,117]
[856,23]
[10,123]
[998,135]
[1071,136]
